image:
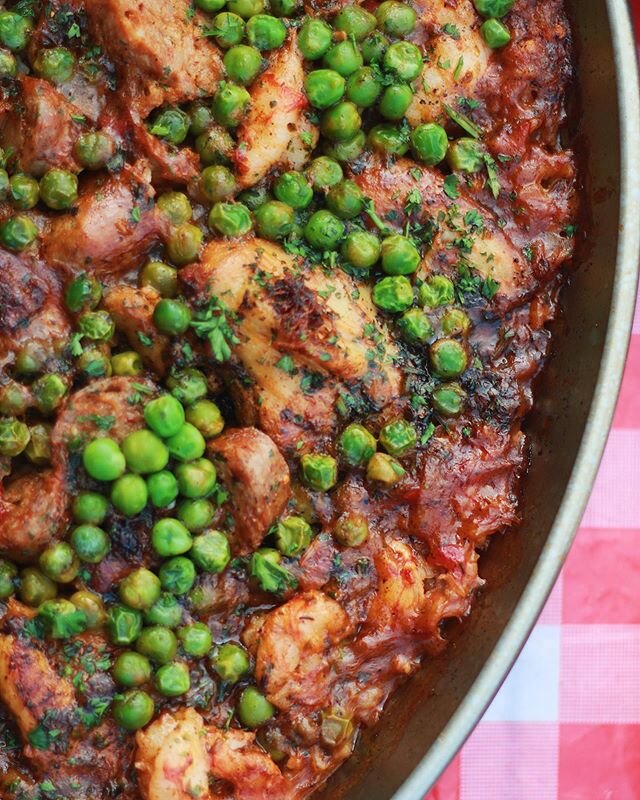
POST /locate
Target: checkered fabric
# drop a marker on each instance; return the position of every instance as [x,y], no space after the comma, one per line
[566,723]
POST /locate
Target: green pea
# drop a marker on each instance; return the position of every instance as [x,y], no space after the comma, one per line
[206,417]
[172,317]
[346,151]
[103,459]
[293,535]
[140,589]
[217,183]
[61,618]
[31,359]
[465,155]
[363,88]
[90,543]
[5,184]
[164,415]
[253,708]
[400,256]
[172,680]
[324,87]
[56,64]
[395,101]
[38,449]
[59,562]
[393,294]
[161,277]
[94,149]
[361,249]
[133,710]
[158,644]
[15,398]
[246,8]
[230,219]
[211,551]
[448,399]
[183,245]
[403,59]
[170,537]
[35,587]
[314,38]
[351,530]
[345,200]
[162,488]
[166,611]
[129,495]
[415,326]
[170,124]
[210,5]
[354,21]
[145,452]
[455,322]
[254,197]
[324,230]
[131,669]
[231,662]
[396,19]
[175,206]
[341,122]
[187,385]
[274,220]
[14,30]
[177,575]
[216,145]
[17,233]
[388,139]
[96,325]
[93,363]
[324,172]
[398,437]
[429,143]
[242,63]
[196,514]
[195,639]
[493,8]
[356,445]
[383,468]
[93,608]
[319,471]
[284,8]
[229,29]
[448,358]
[8,65]
[495,33]
[127,364]
[344,57]
[48,392]
[197,478]
[265,32]
[200,118]
[82,293]
[374,47]
[8,578]
[188,444]
[59,189]
[437,291]
[24,191]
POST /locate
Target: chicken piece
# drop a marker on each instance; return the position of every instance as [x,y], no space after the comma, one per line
[293,661]
[30,687]
[172,759]
[115,226]
[110,407]
[458,58]
[256,476]
[236,758]
[305,339]
[132,311]
[169,165]
[467,232]
[269,135]
[159,45]
[33,512]
[39,127]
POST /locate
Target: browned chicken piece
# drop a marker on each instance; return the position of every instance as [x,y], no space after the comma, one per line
[164,57]
[256,476]
[269,135]
[169,165]
[115,226]
[306,339]
[466,230]
[293,661]
[39,127]
[132,311]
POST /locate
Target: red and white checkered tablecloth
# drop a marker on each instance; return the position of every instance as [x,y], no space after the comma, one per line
[566,723]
